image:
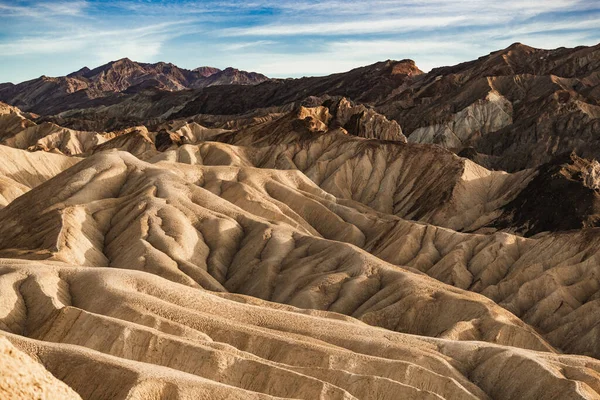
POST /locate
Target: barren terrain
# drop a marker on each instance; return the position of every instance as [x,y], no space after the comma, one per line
[383,233]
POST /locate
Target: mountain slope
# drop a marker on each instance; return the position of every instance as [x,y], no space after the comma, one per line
[518,107]
[102,232]
[532,278]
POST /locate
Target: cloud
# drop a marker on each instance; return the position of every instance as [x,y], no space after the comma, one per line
[142,42]
[44,9]
[580,24]
[353,27]
[247,45]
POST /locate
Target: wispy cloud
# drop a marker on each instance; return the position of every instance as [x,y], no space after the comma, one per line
[44,9]
[248,45]
[353,27]
[108,43]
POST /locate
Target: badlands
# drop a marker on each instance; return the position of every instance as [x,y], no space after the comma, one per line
[382,233]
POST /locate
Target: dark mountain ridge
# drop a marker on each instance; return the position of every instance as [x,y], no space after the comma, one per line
[48,95]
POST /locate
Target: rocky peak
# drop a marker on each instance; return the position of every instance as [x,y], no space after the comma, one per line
[405,67]
[359,120]
[591,175]
[122,61]
[519,47]
[120,68]
[82,72]
[232,75]
[206,71]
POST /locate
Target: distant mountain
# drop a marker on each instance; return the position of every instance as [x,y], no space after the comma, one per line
[515,108]
[370,84]
[366,85]
[228,76]
[48,94]
[512,109]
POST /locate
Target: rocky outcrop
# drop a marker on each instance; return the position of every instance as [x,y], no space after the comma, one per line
[464,128]
[206,71]
[361,121]
[305,123]
[228,76]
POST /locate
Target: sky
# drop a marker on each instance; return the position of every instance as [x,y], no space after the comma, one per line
[285,38]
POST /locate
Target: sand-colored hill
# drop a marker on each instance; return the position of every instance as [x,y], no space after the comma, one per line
[150,238]
[21,171]
[153,339]
[284,241]
[532,278]
[24,378]
[100,210]
[414,182]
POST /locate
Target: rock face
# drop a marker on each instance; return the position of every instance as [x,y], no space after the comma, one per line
[287,240]
[361,121]
[485,116]
[228,76]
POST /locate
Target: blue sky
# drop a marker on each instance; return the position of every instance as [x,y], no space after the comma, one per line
[279,38]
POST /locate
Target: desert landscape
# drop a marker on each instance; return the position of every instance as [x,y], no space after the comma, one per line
[382,233]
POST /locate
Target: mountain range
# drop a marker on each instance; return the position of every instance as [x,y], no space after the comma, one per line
[380,233]
[45,94]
